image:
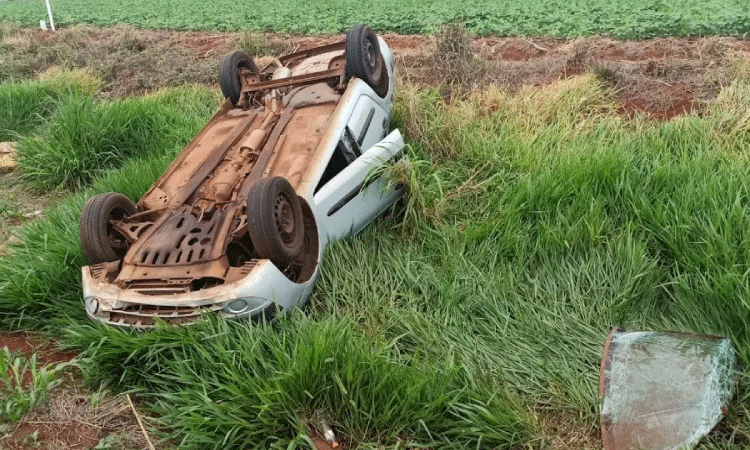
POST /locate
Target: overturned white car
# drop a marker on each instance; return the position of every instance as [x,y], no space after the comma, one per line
[238,223]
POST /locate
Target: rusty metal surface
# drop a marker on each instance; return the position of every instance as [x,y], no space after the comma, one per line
[182,239]
[292,59]
[662,390]
[195,163]
[296,152]
[306,78]
[146,315]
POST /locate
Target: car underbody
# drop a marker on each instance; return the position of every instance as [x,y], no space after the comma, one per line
[239,195]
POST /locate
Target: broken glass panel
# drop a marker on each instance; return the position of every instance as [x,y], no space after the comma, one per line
[662,390]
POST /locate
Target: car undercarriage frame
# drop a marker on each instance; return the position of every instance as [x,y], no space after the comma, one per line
[262,166]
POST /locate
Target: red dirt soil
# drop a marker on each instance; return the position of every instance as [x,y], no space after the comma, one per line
[78,436]
[27,344]
[661,77]
[68,418]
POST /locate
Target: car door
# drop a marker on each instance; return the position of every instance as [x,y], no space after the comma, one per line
[350,200]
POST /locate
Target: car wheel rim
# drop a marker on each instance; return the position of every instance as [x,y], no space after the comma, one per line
[284,215]
[371,57]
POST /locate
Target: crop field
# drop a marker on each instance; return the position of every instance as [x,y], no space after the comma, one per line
[623,19]
[473,314]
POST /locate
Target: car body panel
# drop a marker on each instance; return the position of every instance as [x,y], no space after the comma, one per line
[349,201]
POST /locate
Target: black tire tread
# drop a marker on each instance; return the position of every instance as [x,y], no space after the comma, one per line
[355,65]
[93,226]
[260,219]
[229,82]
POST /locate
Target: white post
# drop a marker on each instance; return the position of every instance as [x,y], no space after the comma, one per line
[49,11]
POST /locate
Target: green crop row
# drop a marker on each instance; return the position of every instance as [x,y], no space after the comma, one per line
[618,18]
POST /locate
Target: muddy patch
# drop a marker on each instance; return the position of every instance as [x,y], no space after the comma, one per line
[677,100]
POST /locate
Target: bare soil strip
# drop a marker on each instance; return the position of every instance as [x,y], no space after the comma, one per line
[662,77]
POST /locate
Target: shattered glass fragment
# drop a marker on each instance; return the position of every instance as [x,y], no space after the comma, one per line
[662,390]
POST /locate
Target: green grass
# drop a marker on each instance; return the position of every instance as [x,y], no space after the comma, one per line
[85,138]
[29,300]
[621,18]
[263,386]
[534,224]
[25,106]
[24,383]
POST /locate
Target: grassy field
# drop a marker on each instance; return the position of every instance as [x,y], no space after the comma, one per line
[620,18]
[472,316]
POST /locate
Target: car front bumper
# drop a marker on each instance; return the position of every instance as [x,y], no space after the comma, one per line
[262,291]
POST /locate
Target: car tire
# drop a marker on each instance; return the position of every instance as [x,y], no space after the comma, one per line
[274,218]
[363,57]
[229,78]
[101,243]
